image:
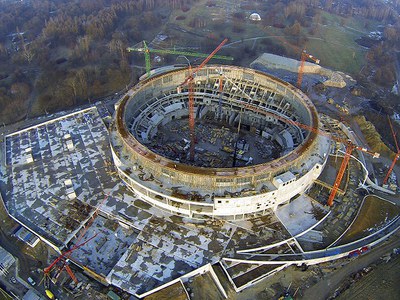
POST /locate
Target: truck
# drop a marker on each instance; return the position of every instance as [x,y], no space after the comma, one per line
[49,294]
[354,253]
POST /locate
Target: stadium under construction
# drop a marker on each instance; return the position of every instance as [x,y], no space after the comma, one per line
[166,204]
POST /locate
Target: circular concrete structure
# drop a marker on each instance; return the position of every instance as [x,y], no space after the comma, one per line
[266,109]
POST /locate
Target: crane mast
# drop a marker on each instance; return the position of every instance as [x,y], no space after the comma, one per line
[189,82]
[220,97]
[304,56]
[66,255]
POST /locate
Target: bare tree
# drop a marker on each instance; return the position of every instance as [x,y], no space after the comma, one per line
[27,53]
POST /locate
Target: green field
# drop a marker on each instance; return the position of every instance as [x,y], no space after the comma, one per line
[333,42]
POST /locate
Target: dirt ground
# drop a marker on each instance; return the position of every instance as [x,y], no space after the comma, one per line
[204,287]
[382,282]
[331,281]
[374,213]
[174,291]
[215,144]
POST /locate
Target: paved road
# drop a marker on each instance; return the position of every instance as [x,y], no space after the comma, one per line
[26,263]
[327,285]
[9,244]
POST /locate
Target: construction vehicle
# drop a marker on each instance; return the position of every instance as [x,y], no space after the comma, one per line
[49,294]
[189,82]
[396,157]
[146,50]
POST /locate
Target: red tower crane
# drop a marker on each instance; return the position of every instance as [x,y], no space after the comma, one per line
[64,257]
[189,82]
[397,154]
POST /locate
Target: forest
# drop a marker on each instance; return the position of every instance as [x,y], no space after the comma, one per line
[58,54]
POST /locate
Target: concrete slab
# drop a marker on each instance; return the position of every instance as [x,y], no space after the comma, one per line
[300,214]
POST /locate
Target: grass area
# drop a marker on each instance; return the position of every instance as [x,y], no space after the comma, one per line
[374,213]
[218,23]
[360,24]
[336,47]
[372,137]
[337,51]
[334,43]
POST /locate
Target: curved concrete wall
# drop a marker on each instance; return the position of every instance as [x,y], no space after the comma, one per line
[251,185]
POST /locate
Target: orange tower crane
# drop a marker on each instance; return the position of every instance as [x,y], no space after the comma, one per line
[396,156]
[349,149]
[304,56]
[350,146]
[189,82]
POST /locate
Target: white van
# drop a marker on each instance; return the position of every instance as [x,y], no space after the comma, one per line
[31,281]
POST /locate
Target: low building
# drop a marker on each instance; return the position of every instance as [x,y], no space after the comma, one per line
[255,17]
[6,261]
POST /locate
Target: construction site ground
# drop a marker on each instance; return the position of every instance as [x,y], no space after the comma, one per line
[345,206]
[380,283]
[203,287]
[215,144]
[321,281]
[374,213]
[300,214]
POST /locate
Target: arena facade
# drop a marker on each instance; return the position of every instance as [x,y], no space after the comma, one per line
[259,113]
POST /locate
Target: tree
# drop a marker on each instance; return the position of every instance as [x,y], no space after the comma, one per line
[294,30]
[78,84]
[3,50]
[118,45]
[20,91]
[385,75]
[82,48]
[392,34]
[295,10]
[27,53]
